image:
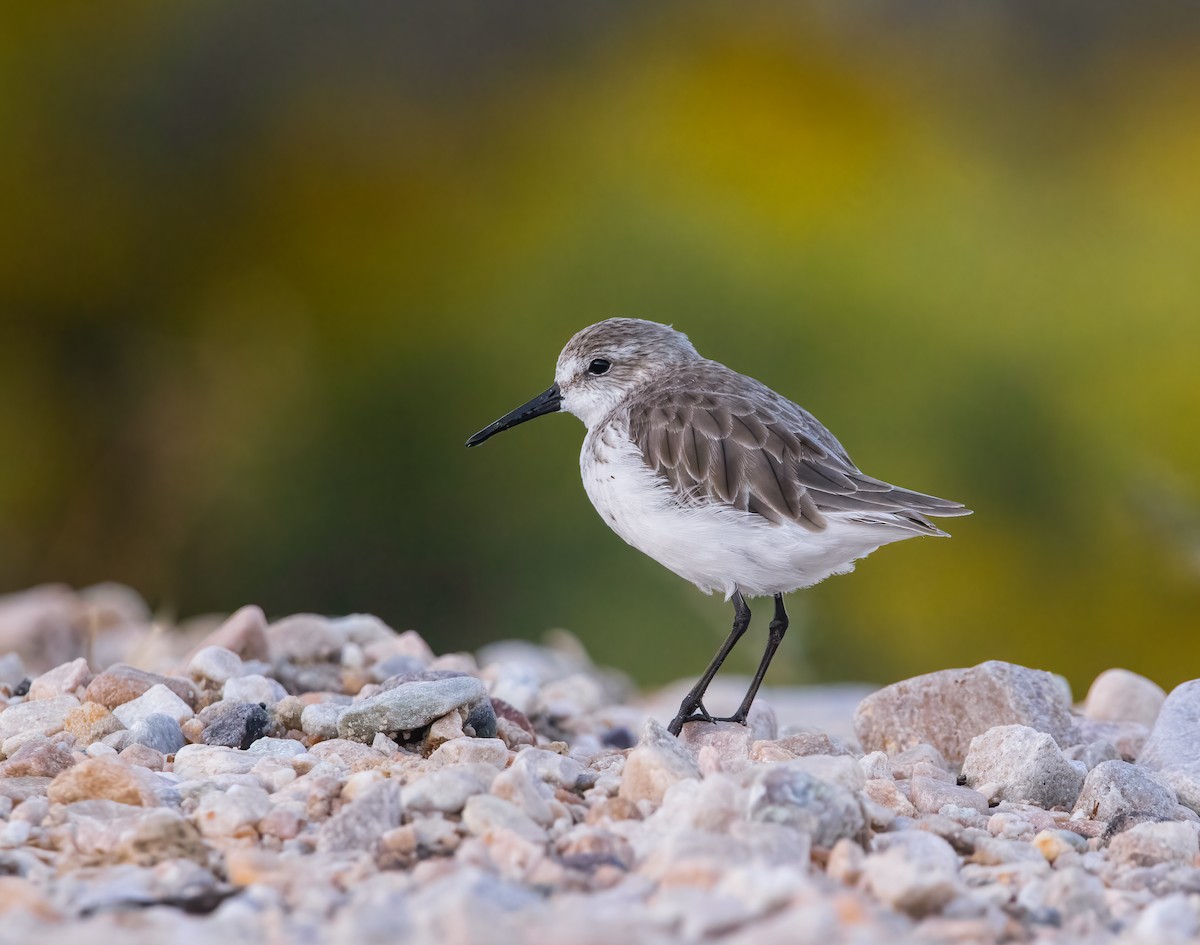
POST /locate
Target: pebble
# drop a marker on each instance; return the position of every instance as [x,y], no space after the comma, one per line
[1016,763]
[948,708]
[243,633]
[489,751]
[408,706]
[69,679]
[231,812]
[913,871]
[658,762]
[485,813]
[37,758]
[234,724]
[214,666]
[562,825]
[1173,748]
[1117,695]
[119,684]
[107,779]
[1147,844]
[1116,790]
[159,699]
[824,810]
[43,717]
[358,825]
[160,732]
[320,720]
[930,795]
[253,688]
[447,789]
[90,722]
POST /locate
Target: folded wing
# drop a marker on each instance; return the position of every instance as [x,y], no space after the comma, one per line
[715,435]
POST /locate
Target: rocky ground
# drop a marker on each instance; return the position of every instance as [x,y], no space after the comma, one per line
[332,780]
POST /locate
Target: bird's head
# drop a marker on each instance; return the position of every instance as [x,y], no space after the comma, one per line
[598,367]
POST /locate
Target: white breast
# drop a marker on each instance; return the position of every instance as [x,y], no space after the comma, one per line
[716,547]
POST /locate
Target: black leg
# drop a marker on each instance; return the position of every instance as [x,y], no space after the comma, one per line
[779,627]
[692,708]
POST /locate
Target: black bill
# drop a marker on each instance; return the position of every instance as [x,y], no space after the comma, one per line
[546,402]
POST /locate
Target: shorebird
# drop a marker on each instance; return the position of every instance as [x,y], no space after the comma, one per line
[718,478]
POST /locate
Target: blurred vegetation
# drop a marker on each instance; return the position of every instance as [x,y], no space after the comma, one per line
[265,266]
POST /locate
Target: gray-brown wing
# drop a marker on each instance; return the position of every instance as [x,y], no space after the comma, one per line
[757,451]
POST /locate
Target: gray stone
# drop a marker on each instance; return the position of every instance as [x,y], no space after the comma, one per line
[1117,695]
[234,724]
[160,732]
[1015,763]
[411,705]
[1148,843]
[253,688]
[658,762]
[44,716]
[947,709]
[789,795]
[1173,747]
[157,700]
[359,824]
[913,871]
[1116,791]
[481,720]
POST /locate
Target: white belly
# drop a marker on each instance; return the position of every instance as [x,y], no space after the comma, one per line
[717,548]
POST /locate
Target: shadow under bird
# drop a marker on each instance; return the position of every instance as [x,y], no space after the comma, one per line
[717,477]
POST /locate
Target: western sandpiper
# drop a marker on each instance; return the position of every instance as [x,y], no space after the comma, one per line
[717,477]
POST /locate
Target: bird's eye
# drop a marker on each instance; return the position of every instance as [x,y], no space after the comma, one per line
[599,366]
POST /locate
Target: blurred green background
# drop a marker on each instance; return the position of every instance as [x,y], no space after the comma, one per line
[264,267]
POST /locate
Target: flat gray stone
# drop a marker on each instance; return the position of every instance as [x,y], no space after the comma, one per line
[409,706]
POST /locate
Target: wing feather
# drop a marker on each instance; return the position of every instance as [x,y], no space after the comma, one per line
[716,435]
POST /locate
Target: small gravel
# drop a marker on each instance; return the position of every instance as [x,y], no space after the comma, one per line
[328,779]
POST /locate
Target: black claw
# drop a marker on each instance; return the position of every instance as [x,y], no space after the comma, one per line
[689,713]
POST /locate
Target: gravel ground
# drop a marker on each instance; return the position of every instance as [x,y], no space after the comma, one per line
[331,780]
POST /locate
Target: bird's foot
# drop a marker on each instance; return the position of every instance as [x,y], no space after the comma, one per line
[738,717]
[694,712]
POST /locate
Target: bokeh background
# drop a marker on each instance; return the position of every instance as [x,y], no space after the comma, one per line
[263,268]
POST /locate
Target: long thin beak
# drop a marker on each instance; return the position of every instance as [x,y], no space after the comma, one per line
[548,401]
